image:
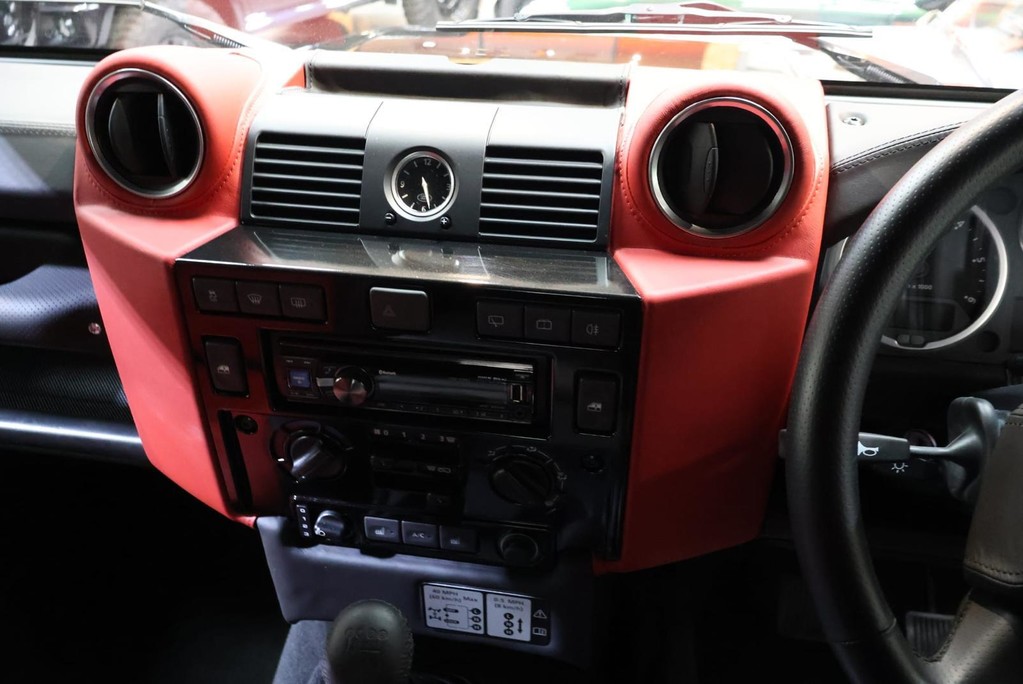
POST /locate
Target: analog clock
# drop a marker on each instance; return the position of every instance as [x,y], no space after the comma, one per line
[423,185]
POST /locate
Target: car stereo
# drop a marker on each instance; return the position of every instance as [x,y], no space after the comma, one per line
[458,386]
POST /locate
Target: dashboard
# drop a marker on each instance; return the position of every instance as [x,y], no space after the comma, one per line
[489,345]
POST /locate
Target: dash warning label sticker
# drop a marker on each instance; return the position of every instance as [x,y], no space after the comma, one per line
[509,617]
[485,613]
[455,609]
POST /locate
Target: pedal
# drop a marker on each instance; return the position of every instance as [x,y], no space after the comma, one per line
[926,632]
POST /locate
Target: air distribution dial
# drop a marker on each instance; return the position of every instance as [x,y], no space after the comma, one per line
[311,453]
[526,477]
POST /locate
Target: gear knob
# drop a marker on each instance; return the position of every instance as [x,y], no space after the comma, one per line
[370,643]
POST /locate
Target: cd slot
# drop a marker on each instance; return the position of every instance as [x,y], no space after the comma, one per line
[398,381]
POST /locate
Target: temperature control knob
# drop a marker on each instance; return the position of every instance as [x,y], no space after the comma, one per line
[352,386]
[314,455]
[527,479]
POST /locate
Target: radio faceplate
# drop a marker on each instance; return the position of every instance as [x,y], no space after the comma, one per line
[456,386]
[396,395]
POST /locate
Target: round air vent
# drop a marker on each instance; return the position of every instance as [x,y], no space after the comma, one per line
[144,133]
[721,167]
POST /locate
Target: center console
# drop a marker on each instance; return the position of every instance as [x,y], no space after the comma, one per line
[409,397]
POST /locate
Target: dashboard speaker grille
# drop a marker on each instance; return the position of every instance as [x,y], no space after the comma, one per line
[311,180]
[541,194]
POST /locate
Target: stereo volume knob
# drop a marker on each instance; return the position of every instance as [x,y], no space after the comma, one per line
[352,386]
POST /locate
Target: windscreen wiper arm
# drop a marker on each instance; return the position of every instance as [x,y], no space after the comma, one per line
[660,18]
[210,31]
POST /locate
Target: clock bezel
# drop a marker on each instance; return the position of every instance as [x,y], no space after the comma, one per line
[394,198]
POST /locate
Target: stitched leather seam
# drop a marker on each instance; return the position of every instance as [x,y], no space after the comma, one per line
[960,616]
[888,153]
[973,562]
[931,137]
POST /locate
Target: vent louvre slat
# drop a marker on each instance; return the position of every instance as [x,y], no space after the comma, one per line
[307,180]
[538,177]
[311,149]
[269,178]
[528,207]
[309,164]
[541,194]
[309,193]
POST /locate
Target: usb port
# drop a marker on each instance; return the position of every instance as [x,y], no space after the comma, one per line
[518,394]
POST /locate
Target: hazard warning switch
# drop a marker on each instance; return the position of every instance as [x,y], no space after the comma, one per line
[393,309]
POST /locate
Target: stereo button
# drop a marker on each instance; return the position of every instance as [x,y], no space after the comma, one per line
[300,378]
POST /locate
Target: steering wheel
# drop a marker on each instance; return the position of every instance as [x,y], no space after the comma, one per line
[986,643]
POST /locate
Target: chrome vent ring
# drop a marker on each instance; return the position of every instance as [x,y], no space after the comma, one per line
[721,167]
[144,133]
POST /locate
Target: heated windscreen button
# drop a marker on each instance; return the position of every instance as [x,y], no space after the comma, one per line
[303,301]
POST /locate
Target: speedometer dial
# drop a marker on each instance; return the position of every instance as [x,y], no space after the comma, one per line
[955,290]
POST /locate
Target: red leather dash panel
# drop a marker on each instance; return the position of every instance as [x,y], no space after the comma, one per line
[723,323]
[131,244]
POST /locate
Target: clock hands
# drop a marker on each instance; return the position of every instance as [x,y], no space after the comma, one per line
[426,191]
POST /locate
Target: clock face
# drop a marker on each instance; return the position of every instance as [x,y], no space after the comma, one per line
[423,185]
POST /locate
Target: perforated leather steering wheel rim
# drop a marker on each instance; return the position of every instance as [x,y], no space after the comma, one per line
[837,355]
